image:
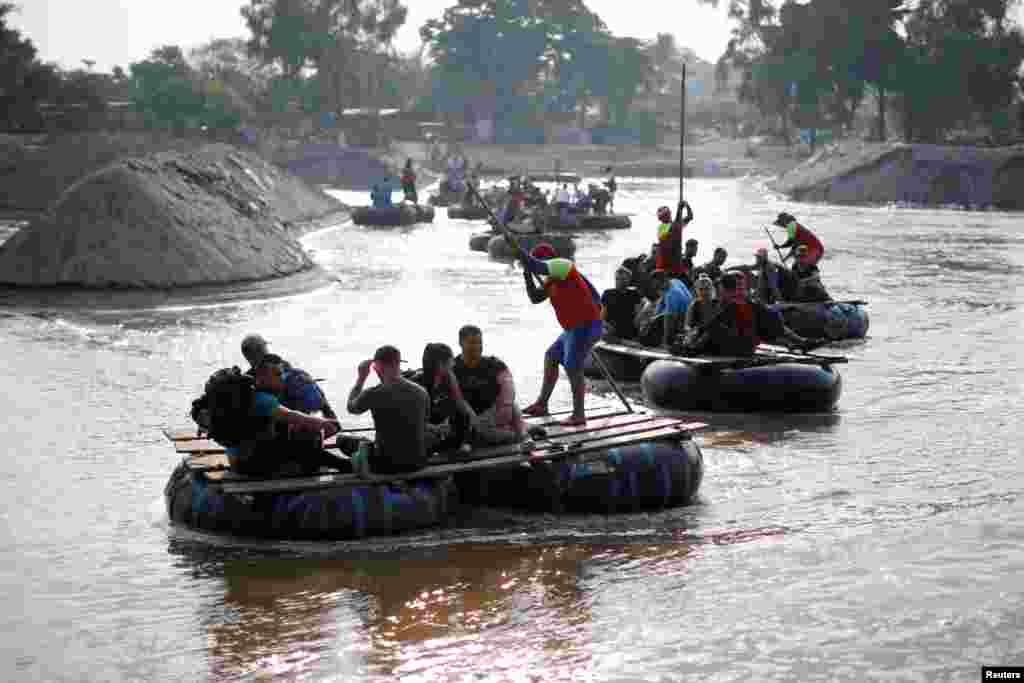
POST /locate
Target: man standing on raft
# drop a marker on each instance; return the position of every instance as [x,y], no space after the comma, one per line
[799,235]
[578,309]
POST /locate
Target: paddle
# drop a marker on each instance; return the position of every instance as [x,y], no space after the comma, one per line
[495,221]
[772,240]
[682,130]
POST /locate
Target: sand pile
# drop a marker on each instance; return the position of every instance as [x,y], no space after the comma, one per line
[212,216]
[854,172]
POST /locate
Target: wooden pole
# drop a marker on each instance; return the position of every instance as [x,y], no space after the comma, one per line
[682,130]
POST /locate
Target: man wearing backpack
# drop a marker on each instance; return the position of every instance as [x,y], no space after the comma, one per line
[301,392]
[294,388]
[260,435]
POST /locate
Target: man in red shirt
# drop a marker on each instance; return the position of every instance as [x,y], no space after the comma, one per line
[578,309]
[669,254]
[799,235]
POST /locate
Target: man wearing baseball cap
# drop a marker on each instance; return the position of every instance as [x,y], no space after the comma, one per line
[254,347]
[400,410]
[799,235]
[578,309]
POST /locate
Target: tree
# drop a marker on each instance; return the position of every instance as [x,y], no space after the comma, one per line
[24,82]
[552,55]
[335,41]
[171,95]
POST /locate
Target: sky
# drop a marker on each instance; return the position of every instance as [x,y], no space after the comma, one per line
[111,33]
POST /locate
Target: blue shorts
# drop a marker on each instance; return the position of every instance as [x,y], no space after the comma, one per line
[572,346]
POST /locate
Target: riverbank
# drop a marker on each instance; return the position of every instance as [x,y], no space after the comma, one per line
[858,172]
[705,157]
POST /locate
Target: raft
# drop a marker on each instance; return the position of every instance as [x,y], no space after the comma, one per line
[467,213]
[659,473]
[478,241]
[198,501]
[619,460]
[828,320]
[499,249]
[611,221]
[399,214]
[786,387]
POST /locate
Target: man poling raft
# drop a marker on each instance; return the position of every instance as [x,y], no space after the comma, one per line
[578,309]
[798,236]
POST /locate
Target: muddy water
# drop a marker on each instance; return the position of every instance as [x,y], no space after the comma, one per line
[881,541]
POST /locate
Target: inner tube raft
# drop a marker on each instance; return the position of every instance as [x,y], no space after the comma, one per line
[389,216]
[653,474]
[478,241]
[587,222]
[315,514]
[468,213]
[499,249]
[828,320]
[783,387]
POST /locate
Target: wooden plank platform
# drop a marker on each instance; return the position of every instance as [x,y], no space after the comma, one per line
[770,355]
[186,440]
[600,432]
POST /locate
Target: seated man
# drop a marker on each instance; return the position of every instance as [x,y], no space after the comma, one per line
[713,268]
[400,410]
[254,347]
[703,308]
[669,312]
[620,306]
[295,388]
[261,436]
[739,326]
[303,393]
[488,386]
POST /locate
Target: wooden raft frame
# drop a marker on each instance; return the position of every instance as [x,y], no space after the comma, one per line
[609,430]
[771,355]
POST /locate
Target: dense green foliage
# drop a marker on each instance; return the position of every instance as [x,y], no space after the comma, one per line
[171,95]
[528,58]
[943,65]
[331,54]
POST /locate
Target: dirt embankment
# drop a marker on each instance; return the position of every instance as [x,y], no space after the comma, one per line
[213,215]
[855,172]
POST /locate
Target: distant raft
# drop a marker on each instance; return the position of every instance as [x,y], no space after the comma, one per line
[776,387]
[389,216]
[478,241]
[827,320]
[334,513]
[575,221]
[500,250]
[661,472]
[467,213]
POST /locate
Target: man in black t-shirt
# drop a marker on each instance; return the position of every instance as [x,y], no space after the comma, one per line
[488,387]
[620,306]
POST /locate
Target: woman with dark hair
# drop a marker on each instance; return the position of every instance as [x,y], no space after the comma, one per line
[447,403]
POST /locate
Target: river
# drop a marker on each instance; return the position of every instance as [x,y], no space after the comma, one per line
[881,541]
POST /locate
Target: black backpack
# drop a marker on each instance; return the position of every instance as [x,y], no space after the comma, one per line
[224,410]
